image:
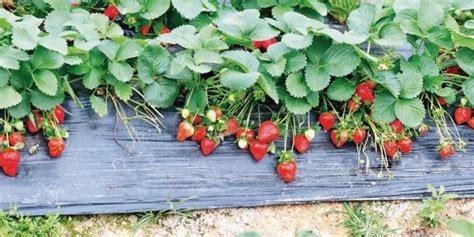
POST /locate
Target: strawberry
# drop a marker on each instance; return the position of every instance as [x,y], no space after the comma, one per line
[267,43]
[301,143]
[371,84]
[75,3]
[15,138]
[207,146]
[243,143]
[257,44]
[185,131]
[327,120]
[365,92]
[185,113]
[199,133]
[211,115]
[453,70]
[441,101]
[165,30]
[462,115]
[286,167]
[232,127]
[423,130]
[145,29]
[352,105]
[310,134]
[58,114]
[258,149]
[33,126]
[3,140]
[446,150]
[268,132]
[338,138]
[359,135]
[245,133]
[196,119]
[55,147]
[390,148]
[219,113]
[10,161]
[396,126]
[111,12]
[405,144]
[471,123]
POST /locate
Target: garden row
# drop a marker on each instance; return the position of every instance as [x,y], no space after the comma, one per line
[241,59]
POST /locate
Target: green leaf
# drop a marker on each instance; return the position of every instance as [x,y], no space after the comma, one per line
[411,80]
[462,227]
[46,81]
[296,105]
[238,80]
[362,18]
[244,59]
[295,61]
[341,89]
[153,61]
[161,93]
[121,70]
[390,82]
[10,57]
[313,99]
[109,48]
[4,77]
[22,109]
[127,50]
[99,106]
[410,111]
[10,97]
[468,89]
[269,86]
[46,59]
[391,35]
[384,107]
[340,60]
[430,15]
[465,60]
[197,100]
[92,79]
[155,8]
[276,69]
[60,5]
[296,86]
[24,39]
[433,84]
[317,77]
[46,102]
[297,41]
[189,9]
[54,43]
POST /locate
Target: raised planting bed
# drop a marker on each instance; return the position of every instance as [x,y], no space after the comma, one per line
[96,175]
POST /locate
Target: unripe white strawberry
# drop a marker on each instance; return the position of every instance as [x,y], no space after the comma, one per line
[185,113]
[310,134]
[211,115]
[20,126]
[243,144]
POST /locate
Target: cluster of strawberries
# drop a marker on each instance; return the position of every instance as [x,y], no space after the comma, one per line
[12,140]
[210,130]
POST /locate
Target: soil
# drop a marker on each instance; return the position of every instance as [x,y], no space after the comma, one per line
[286,220]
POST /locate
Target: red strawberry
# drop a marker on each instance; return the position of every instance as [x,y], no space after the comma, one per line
[423,130]
[287,170]
[359,135]
[397,126]
[232,127]
[391,148]
[185,131]
[75,3]
[145,29]
[267,43]
[338,138]
[365,92]
[268,132]
[196,119]
[453,70]
[258,149]
[111,12]
[462,115]
[34,126]
[219,113]
[55,147]
[207,146]
[58,114]
[371,84]
[165,30]
[246,133]
[15,138]
[10,160]
[199,133]
[257,44]
[405,144]
[3,139]
[327,120]
[301,143]
[352,105]
[446,150]
[471,123]
[441,101]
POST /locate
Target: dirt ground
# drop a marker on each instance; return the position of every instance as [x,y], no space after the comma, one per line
[286,220]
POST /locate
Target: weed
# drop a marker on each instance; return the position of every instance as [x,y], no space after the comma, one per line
[433,207]
[16,224]
[363,221]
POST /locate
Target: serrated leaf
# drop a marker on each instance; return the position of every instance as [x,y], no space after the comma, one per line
[54,43]
[189,9]
[155,8]
[10,97]
[246,61]
[411,80]
[313,99]
[197,100]
[10,57]
[362,18]
[92,79]
[128,49]
[46,59]
[430,15]
[46,102]
[59,4]
[297,106]
[433,84]
[238,80]
[391,35]
[317,77]
[410,111]
[269,86]
[295,61]
[246,24]
[340,60]
[109,48]
[468,89]
[22,109]
[341,89]
[297,41]
[4,77]
[99,106]
[276,69]
[153,61]
[121,70]
[384,107]
[161,93]
[296,86]
[46,81]
[24,39]
[465,60]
